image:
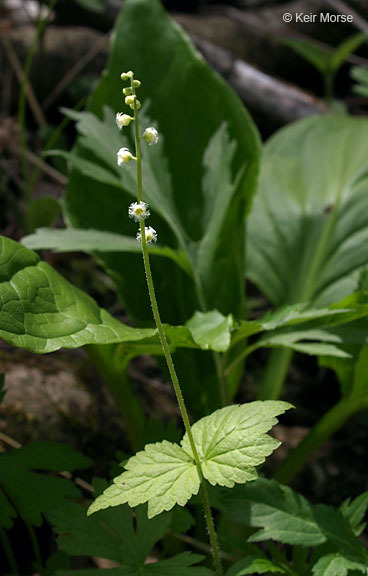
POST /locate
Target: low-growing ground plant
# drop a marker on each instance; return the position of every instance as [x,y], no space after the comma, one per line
[219,451]
[310,222]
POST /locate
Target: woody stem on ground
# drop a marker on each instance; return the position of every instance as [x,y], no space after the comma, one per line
[168,357]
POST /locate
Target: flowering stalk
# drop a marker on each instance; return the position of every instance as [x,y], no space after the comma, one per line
[145,236]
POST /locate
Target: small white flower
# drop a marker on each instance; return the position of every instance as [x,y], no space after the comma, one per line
[123,120]
[150,233]
[139,211]
[124,155]
[150,135]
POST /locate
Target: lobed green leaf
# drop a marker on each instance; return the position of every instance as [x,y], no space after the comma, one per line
[24,490]
[230,443]
[233,440]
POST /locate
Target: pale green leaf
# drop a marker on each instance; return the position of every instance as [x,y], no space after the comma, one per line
[211,330]
[308,228]
[255,565]
[163,475]
[78,240]
[336,565]
[233,440]
[42,312]
[230,443]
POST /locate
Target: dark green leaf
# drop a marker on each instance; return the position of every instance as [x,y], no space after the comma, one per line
[194,111]
[281,514]
[110,533]
[320,58]
[350,45]
[33,494]
[180,565]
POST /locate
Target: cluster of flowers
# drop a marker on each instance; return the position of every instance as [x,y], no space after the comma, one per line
[138,210]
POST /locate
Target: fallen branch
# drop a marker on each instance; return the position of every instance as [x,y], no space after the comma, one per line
[271,99]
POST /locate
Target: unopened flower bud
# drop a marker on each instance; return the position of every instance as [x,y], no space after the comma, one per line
[129,100]
[136,83]
[150,135]
[126,75]
[127,91]
[124,155]
[150,235]
[123,120]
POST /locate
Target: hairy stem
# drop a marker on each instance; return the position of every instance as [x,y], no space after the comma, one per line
[169,360]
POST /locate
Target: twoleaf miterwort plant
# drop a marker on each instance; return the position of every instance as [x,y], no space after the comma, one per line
[222,448]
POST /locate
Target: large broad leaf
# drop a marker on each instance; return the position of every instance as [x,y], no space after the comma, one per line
[309,223]
[183,95]
[230,443]
[41,311]
[193,170]
[75,240]
[24,490]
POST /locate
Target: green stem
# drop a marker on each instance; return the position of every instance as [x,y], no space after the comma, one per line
[275,374]
[279,362]
[121,390]
[8,551]
[169,360]
[35,546]
[326,427]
